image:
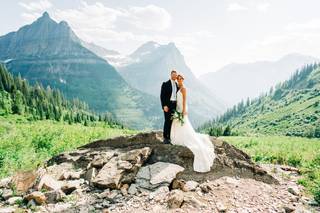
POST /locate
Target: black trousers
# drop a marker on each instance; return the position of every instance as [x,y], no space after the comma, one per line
[167,120]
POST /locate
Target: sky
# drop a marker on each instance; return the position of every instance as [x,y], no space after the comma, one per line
[209,33]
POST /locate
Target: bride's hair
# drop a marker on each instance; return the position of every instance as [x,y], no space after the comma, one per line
[180,75]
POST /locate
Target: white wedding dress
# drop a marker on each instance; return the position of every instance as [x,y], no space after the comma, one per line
[200,144]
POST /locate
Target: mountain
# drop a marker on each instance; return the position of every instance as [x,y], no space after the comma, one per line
[292,109]
[239,81]
[51,53]
[152,63]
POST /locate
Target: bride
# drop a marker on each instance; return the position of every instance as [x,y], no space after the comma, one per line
[182,133]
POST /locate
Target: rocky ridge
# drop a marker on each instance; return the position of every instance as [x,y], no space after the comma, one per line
[141,174]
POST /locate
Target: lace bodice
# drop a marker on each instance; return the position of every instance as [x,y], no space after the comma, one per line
[180,102]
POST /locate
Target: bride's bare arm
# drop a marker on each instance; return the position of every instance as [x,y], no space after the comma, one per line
[184,95]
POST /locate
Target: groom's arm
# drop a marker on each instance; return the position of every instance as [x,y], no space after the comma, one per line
[162,96]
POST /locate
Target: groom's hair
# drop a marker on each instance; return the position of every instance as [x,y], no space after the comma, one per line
[173,71]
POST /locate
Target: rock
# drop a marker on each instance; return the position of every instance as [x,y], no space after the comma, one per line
[294,190]
[113,174]
[124,165]
[6,193]
[54,196]
[7,210]
[71,175]
[14,200]
[133,189]
[48,183]
[288,209]
[205,187]
[178,184]
[159,194]
[190,186]
[191,200]
[90,174]
[37,196]
[124,189]
[70,186]
[23,181]
[31,203]
[154,175]
[220,207]
[101,159]
[175,198]
[4,183]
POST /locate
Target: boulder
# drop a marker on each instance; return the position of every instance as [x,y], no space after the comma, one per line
[175,198]
[121,169]
[90,174]
[37,196]
[48,183]
[6,194]
[23,181]
[4,183]
[54,196]
[229,160]
[158,174]
[133,189]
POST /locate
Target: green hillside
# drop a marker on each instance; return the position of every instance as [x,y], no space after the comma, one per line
[291,109]
[38,123]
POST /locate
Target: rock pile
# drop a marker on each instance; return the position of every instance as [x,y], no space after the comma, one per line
[137,173]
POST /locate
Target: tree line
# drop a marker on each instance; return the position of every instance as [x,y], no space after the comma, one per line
[17,96]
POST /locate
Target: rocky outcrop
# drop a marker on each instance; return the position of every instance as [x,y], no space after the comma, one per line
[230,161]
[140,174]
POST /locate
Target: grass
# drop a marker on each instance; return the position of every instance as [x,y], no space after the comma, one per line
[24,144]
[303,153]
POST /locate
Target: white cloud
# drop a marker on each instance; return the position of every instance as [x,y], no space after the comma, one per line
[36,6]
[263,7]
[149,17]
[313,24]
[236,7]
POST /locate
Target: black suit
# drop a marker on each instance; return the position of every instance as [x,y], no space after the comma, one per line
[166,91]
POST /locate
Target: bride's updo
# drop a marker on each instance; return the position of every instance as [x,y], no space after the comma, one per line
[180,76]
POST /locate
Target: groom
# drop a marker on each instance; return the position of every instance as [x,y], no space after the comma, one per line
[168,98]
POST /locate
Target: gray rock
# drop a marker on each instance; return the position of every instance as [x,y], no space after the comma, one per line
[54,196]
[48,183]
[7,209]
[90,174]
[7,193]
[4,183]
[294,190]
[133,189]
[159,194]
[190,186]
[13,200]
[157,174]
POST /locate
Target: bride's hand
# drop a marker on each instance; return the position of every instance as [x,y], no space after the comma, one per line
[184,112]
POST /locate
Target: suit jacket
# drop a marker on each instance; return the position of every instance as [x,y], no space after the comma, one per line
[166,91]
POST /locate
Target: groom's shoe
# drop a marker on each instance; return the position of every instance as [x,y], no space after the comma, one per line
[166,141]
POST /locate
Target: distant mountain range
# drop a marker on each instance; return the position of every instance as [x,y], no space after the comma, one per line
[239,81]
[292,109]
[51,53]
[151,64]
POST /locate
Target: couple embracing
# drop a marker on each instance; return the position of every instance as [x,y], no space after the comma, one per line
[177,128]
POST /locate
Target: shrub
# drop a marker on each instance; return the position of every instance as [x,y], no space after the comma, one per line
[316,193]
[294,160]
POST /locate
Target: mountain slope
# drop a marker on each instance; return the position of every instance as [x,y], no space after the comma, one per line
[249,80]
[152,63]
[292,109]
[52,54]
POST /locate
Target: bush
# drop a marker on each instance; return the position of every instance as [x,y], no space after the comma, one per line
[294,160]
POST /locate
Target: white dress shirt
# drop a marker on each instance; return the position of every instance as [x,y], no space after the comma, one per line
[174,91]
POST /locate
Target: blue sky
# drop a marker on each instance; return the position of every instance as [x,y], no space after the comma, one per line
[209,33]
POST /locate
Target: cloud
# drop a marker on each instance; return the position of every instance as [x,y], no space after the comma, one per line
[263,7]
[149,17]
[313,24]
[36,6]
[236,7]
